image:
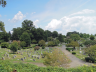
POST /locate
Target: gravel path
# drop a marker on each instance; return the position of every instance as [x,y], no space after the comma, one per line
[75,61]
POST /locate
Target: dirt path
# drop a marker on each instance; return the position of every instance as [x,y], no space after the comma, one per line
[75,61]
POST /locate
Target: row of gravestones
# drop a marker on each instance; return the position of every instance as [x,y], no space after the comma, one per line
[32,57]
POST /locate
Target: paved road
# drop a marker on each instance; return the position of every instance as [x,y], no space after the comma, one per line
[75,61]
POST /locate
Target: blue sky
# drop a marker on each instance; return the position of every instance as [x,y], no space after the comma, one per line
[55,15]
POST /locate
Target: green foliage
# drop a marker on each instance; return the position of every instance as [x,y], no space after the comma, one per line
[26,47]
[60,38]
[73,44]
[51,43]
[25,37]
[56,58]
[73,52]
[4,45]
[75,37]
[2,28]
[37,48]
[91,51]
[41,43]
[92,37]
[69,49]
[43,47]
[3,3]
[34,41]
[14,47]
[50,39]
[55,34]
[90,42]
[88,59]
[22,44]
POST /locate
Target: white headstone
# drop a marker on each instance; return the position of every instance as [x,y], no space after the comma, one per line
[80,48]
[80,51]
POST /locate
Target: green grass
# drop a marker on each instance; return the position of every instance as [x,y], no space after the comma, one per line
[6,66]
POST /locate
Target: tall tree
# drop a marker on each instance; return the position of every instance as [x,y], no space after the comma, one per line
[27,25]
[60,38]
[55,34]
[25,37]
[2,28]
[75,37]
[3,3]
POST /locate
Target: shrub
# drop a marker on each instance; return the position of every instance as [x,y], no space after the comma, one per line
[34,41]
[4,45]
[43,47]
[37,48]
[14,47]
[73,52]
[69,49]
[87,59]
[41,43]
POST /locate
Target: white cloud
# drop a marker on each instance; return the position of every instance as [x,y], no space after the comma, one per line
[35,23]
[54,24]
[84,24]
[85,11]
[19,16]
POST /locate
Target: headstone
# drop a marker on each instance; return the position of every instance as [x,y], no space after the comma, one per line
[80,48]
[7,55]
[33,59]
[32,56]
[3,58]
[80,52]
[71,50]
[4,54]
[37,57]
[21,54]
[28,55]
[13,57]
[24,57]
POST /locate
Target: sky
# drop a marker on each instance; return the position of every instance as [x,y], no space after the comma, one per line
[55,15]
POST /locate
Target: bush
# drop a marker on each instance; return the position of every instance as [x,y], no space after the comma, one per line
[69,49]
[43,47]
[73,52]
[22,44]
[34,41]
[37,48]
[4,45]
[87,59]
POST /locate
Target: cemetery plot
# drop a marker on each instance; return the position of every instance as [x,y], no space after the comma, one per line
[26,55]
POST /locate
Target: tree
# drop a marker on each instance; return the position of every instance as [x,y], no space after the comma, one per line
[2,28]
[14,47]
[92,37]
[60,38]
[22,44]
[27,25]
[3,3]
[55,34]
[25,37]
[73,44]
[56,58]
[42,43]
[17,32]
[75,37]
[91,51]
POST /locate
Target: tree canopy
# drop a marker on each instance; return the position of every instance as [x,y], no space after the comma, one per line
[3,3]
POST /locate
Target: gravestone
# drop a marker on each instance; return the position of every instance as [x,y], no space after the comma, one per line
[28,55]
[13,57]
[71,50]
[80,48]
[7,55]
[3,58]
[32,56]
[37,57]
[21,53]
[4,54]
[33,59]
[24,57]
[80,52]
